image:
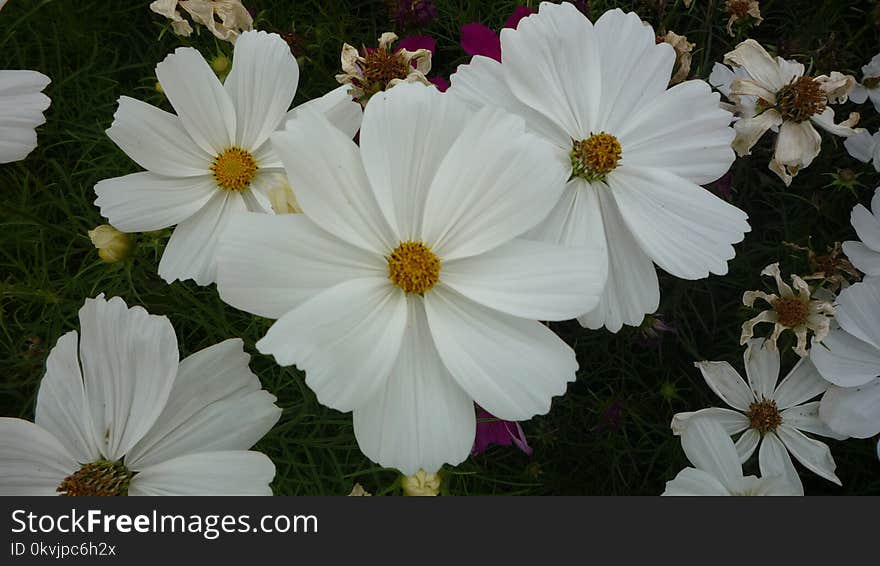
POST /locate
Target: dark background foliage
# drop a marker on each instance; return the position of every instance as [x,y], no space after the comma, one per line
[608,435]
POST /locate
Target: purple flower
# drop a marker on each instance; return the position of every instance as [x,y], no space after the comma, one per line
[413,13]
[492,430]
[477,39]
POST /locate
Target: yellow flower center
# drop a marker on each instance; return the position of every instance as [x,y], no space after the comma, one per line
[800,99]
[98,478]
[593,158]
[792,311]
[234,169]
[413,267]
[764,416]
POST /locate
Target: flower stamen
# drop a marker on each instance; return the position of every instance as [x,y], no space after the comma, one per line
[593,158]
[234,169]
[791,311]
[801,99]
[100,478]
[764,416]
[413,267]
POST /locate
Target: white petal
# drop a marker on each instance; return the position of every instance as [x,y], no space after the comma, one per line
[861,146]
[567,88]
[496,182]
[774,460]
[157,140]
[530,279]
[797,145]
[862,257]
[191,251]
[129,361]
[324,166]
[421,418]
[691,481]
[632,289]
[202,104]
[845,360]
[761,361]
[684,131]
[482,83]
[709,448]
[858,311]
[337,106]
[268,264]
[61,403]
[32,461]
[141,202]
[732,421]
[406,133]
[806,418]
[216,404]
[261,85]
[235,472]
[825,120]
[759,64]
[346,339]
[629,55]
[749,130]
[21,111]
[510,366]
[727,384]
[814,455]
[867,226]
[684,228]
[576,220]
[801,384]
[746,444]
[852,411]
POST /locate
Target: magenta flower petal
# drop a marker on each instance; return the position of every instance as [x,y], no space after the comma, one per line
[491,430]
[519,13]
[477,39]
[441,83]
[415,42]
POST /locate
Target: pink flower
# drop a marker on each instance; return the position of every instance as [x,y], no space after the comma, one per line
[492,430]
[477,39]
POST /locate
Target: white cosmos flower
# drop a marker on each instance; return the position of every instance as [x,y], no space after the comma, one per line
[118,414]
[864,147]
[635,151]
[869,88]
[772,416]
[403,291]
[774,94]
[212,159]
[865,254]
[717,469]
[849,358]
[22,104]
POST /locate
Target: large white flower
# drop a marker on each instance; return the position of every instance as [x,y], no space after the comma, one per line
[634,150]
[865,254]
[22,104]
[870,85]
[717,469]
[214,157]
[850,359]
[775,94]
[403,290]
[118,414]
[772,416]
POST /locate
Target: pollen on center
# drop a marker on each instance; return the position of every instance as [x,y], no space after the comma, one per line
[593,158]
[234,169]
[413,267]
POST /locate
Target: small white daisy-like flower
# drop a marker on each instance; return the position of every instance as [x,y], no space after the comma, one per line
[797,311]
[775,94]
[768,415]
[226,19]
[849,358]
[717,468]
[865,147]
[404,290]
[635,151]
[869,88]
[865,254]
[382,67]
[22,104]
[214,158]
[119,414]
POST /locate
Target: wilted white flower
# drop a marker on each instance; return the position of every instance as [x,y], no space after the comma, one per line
[683,50]
[741,10]
[799,312]
[380,68]
[226,19]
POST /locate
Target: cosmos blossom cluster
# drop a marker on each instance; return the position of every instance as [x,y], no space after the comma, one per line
[410,242]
